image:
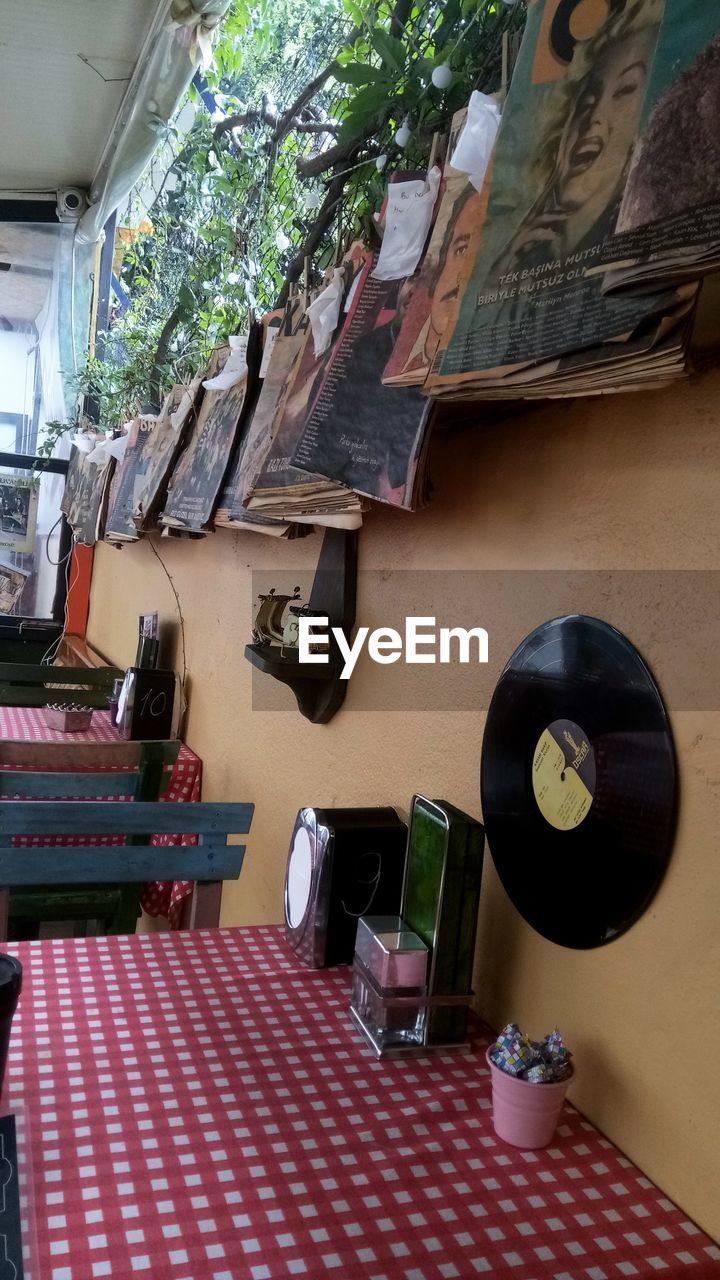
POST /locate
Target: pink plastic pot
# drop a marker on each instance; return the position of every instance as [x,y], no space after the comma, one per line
[525,1114]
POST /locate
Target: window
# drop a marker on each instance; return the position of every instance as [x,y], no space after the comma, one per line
[45,306]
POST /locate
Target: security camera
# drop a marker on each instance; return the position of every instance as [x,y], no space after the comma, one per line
[71,203]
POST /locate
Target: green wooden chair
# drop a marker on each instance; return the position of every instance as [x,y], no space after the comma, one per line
[30,684]
[76,771]
[209,862]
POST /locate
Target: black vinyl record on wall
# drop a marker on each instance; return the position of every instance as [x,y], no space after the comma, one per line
[342,864]
[578,782]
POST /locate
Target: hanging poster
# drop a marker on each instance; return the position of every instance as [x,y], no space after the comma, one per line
[12,585]
[18,511]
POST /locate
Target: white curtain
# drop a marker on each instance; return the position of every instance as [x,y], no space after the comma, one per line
[53,406]
[178,42]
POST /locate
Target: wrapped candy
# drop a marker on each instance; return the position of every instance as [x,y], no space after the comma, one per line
[538,1061]
[553,1048]
[512,1051]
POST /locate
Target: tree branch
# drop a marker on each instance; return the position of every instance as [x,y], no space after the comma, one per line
[400,16]
[314,166]
[314,237]
[313,126]
[285,124]
[264,115]
[163,346]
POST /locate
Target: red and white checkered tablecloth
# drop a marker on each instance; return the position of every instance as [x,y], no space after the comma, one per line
[161,897]
[201,1108]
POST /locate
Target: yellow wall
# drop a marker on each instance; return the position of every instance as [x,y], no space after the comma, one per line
[623,483]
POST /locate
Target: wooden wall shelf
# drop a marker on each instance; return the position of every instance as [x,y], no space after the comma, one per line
[318,689]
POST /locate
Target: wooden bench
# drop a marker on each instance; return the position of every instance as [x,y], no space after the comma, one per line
[81,771]
[29,684]
[208,863]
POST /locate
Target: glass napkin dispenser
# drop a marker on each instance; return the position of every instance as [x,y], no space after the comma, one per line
[389,980]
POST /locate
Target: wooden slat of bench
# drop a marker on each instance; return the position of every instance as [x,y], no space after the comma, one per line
[18,695]
[70,818]
[44,674]
[120,864]
[85,755]
[62,785]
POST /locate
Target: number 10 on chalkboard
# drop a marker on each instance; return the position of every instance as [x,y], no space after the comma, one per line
[145,705]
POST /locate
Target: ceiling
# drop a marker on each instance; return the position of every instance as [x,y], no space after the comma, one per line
[65,68]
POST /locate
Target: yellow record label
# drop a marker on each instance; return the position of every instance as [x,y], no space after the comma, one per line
[563,775]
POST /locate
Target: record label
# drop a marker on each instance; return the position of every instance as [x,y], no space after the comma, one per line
[563,775]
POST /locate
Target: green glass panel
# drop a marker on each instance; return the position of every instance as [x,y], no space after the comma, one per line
[440,903]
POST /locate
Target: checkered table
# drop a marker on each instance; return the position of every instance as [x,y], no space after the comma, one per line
[200,1108]
[161,897]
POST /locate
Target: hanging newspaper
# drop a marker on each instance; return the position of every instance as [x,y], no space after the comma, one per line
[85,497]
[18,512]
[669,223]
[195,485]
[12,584]
[359,432]
[426,296]
[154,445]
[532,320]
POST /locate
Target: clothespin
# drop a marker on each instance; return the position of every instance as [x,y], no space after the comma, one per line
[438,149]
[306,281]
[339,242]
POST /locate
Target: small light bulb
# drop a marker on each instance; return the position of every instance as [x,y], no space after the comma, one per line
[380,163]
[442,76]
[281,241]
[402,137]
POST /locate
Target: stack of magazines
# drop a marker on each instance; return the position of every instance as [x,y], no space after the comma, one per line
[668,230]
[263,485]
[533,317]
[196,481]
[154,445]
[85,496]
[369,436]
[327,433]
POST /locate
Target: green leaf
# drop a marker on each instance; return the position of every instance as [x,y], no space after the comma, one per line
[390,49]
[355,12]
[363,110]
[186,298]
[358,75]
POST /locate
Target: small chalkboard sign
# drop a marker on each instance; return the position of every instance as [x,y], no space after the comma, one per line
[11,1259]
[145,704]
